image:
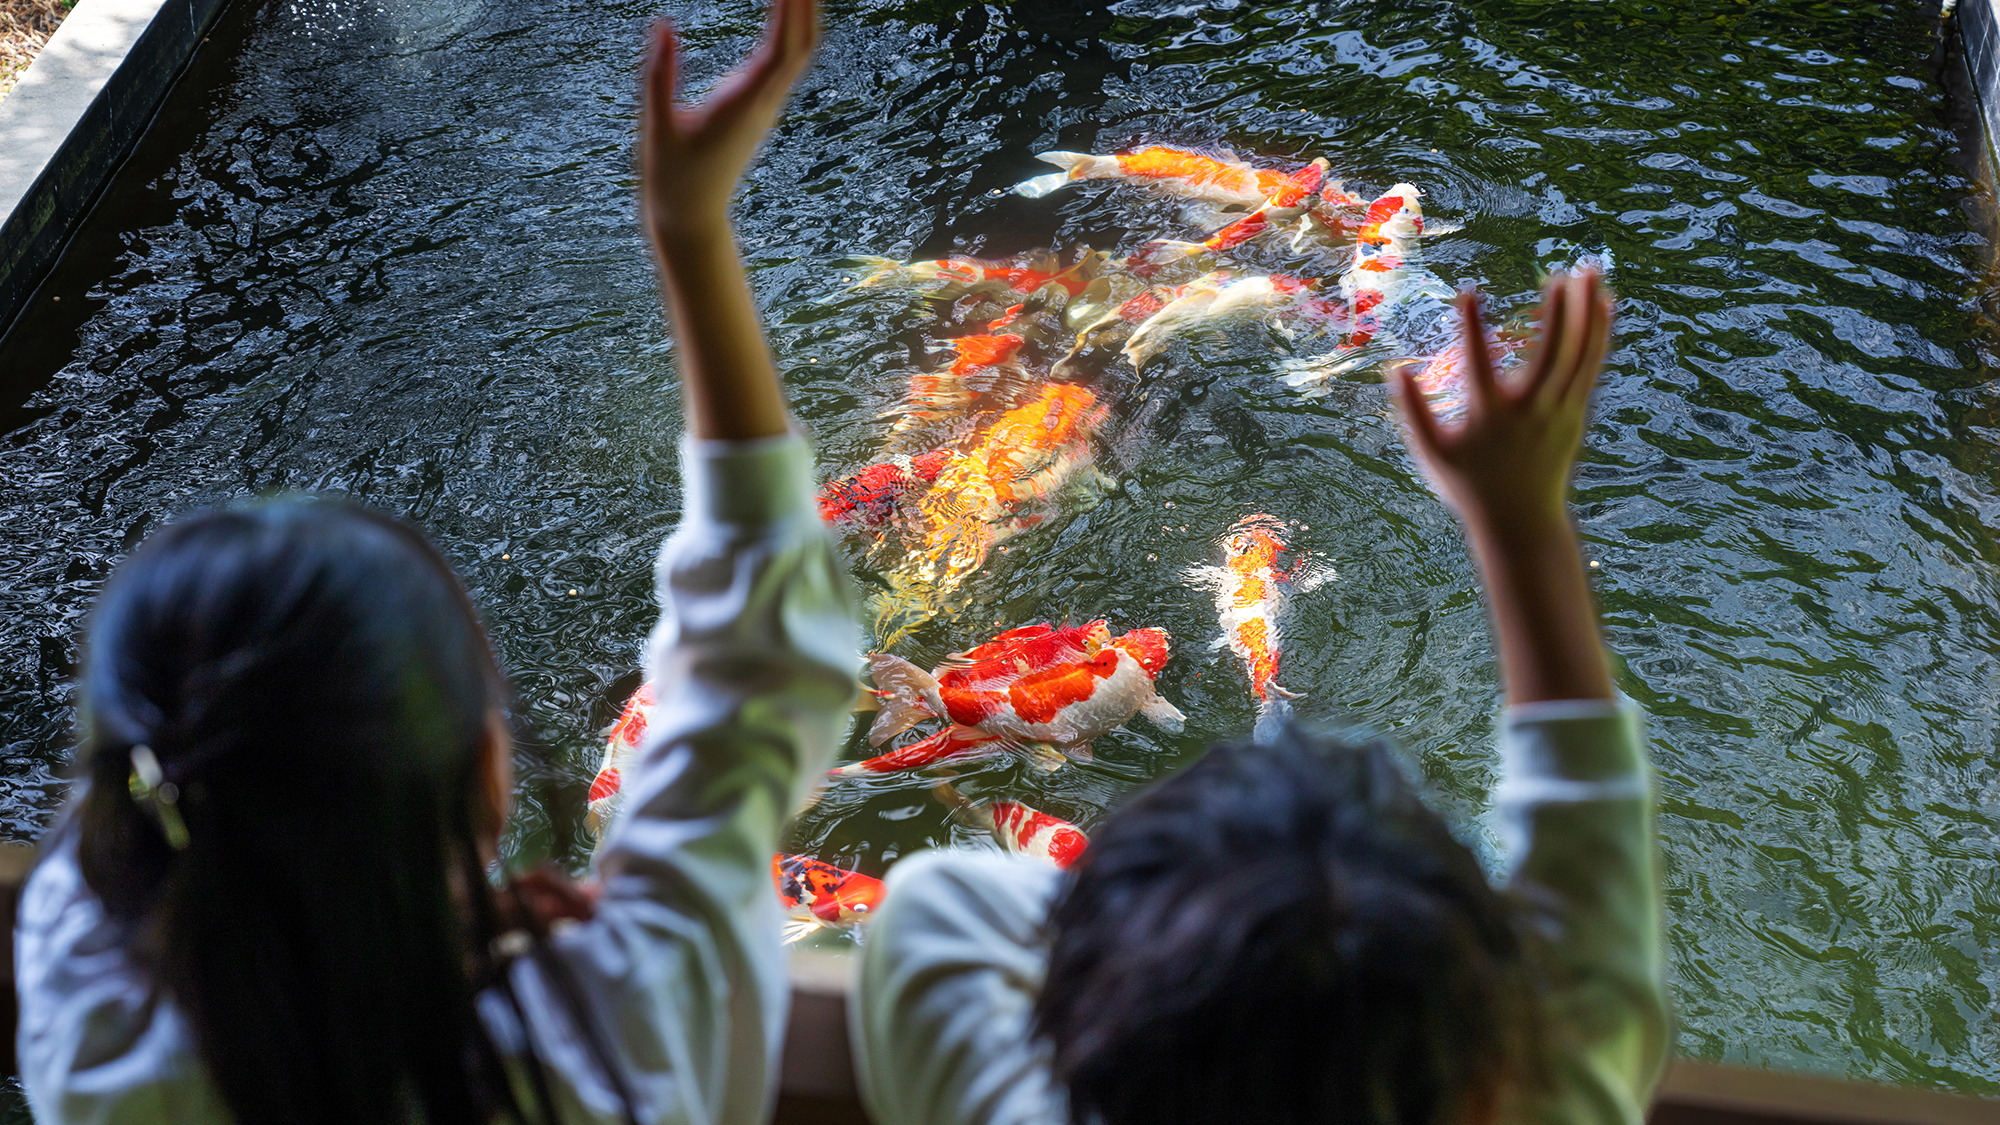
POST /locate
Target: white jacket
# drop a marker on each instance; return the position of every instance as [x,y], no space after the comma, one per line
[949,973]
[753,661]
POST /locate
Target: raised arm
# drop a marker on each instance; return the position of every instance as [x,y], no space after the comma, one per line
[1573,800]
[1506,470]
[690,159]
[752,662]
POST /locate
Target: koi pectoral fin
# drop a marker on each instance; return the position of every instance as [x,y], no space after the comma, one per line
[797,928]
[1163,714]
[1272,687]
[1045,757]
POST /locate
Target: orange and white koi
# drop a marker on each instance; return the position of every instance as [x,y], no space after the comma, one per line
[1062,687]
[1193,175]
[958,275]
[1251,592]
[606,788]
[819,895]
[1218,297]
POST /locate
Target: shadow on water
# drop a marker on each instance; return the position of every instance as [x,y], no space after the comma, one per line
[387,250]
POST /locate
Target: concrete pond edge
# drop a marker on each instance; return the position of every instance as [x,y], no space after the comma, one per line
[74,117]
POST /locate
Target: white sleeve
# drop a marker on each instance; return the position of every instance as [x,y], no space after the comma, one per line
[753,665]
[941,1022]
[1575,808]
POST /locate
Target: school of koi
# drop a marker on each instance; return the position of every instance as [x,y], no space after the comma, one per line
[1003,437]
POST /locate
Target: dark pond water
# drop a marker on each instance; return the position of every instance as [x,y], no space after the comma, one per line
[387,249]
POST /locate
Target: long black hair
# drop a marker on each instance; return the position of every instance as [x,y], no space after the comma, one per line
[1286,934]
[286,711]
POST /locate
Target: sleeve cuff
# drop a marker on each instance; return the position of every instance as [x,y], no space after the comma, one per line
[762,480]
[1572,740]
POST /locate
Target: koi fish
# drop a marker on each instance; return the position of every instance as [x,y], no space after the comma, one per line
[1383,274]
[1020,829]
[1385,255]
[1035,685]
[1211,300]
[1297,203]
[1026,831]
[1251,592]
[982,376]
[999,483]
[958,275]
[606,792]
[870,497]
[1217,179]
[819,895]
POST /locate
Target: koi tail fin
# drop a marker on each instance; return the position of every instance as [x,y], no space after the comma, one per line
[909,695]
[1162,252]
[881,271]
[1271,717]
[1163,714]
[1045,757]
[1074,165]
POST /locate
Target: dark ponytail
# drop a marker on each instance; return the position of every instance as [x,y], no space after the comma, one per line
[317,691]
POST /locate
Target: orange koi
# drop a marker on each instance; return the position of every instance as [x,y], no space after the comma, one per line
[1251,592]
[818,894]
[993,489]
[983,376]
[1218,179]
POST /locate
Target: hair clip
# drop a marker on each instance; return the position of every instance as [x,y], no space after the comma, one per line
[149,786]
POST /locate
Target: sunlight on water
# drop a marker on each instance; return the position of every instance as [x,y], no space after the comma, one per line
[388,250]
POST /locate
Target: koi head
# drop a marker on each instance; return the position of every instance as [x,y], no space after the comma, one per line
[1253,542]
[833,895]
[1149,646]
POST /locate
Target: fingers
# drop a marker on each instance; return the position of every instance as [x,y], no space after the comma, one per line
[662,74]
[1425,433]
[789,37]
[1597,337]
[1484,383]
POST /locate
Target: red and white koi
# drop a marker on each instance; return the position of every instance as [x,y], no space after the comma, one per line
[1252,589]
[958,275]
[1039,684]
[1020,829]
[871,497]
[1026,831]
[606,788]
[819,895]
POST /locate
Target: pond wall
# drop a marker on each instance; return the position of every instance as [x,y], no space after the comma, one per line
[73,118]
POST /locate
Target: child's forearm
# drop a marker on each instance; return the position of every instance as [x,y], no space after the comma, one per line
[1543,616]
[727,380]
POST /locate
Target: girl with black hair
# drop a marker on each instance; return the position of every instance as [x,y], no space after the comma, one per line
[270,901]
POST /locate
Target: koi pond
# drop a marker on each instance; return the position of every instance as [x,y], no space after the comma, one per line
[387,249]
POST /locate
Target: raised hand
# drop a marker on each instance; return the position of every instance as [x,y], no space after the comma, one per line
[1509,459]
[691,156]
[1505,468]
